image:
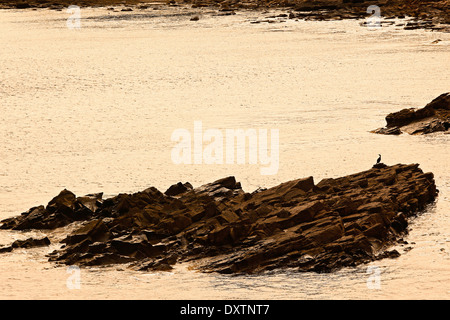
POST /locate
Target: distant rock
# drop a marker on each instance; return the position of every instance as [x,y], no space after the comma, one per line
[431,15]
[434,117]
[23,5]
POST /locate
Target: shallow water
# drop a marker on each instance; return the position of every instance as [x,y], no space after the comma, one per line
[93,110]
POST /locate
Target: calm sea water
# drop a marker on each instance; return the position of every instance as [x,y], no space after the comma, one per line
[93,110]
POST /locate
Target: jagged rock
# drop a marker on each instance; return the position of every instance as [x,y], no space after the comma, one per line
[134,246]
[388,131]
[91,201]
[94,231]
[178,188]
[62,210]
[30,243]
[62,202]
[406,116]
[441,102]
[220,189]
[297,224]
[162,264]
[432,126]
[316,5]
[431,15]
[434,117]
[26,244]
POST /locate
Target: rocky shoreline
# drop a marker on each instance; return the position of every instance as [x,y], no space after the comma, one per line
[434,117]
[425,14]
[218,227]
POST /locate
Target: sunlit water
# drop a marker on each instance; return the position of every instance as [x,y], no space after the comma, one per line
[93,110]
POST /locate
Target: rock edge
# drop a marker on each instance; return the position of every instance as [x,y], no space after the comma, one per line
[434,117]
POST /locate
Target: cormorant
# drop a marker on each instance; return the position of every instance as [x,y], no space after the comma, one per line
[379,158]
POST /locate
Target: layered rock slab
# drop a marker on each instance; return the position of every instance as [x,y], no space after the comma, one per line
[220,228]
[434,117]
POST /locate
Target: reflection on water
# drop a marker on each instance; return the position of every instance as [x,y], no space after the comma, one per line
[93,110]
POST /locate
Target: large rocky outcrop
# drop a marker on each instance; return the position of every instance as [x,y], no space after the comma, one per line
[434,117]
[219,227]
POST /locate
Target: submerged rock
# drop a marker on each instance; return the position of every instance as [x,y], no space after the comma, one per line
[297,224]
[434,117]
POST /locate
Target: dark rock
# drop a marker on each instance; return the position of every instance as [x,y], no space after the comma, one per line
[388,131]
[391,254]
[91,201]
[220,189]
[134,246]
[336,223]
[30,243]
[23,5]
[304,184]
[441,102]
[406,116]
[34,216]
[59,212]
[178,188]
[94,230]
[379,166]
[226,183]
[432,126]
[103,259]
[64,202]
[26,244]
[6,249]
[162,264]
[434,117]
